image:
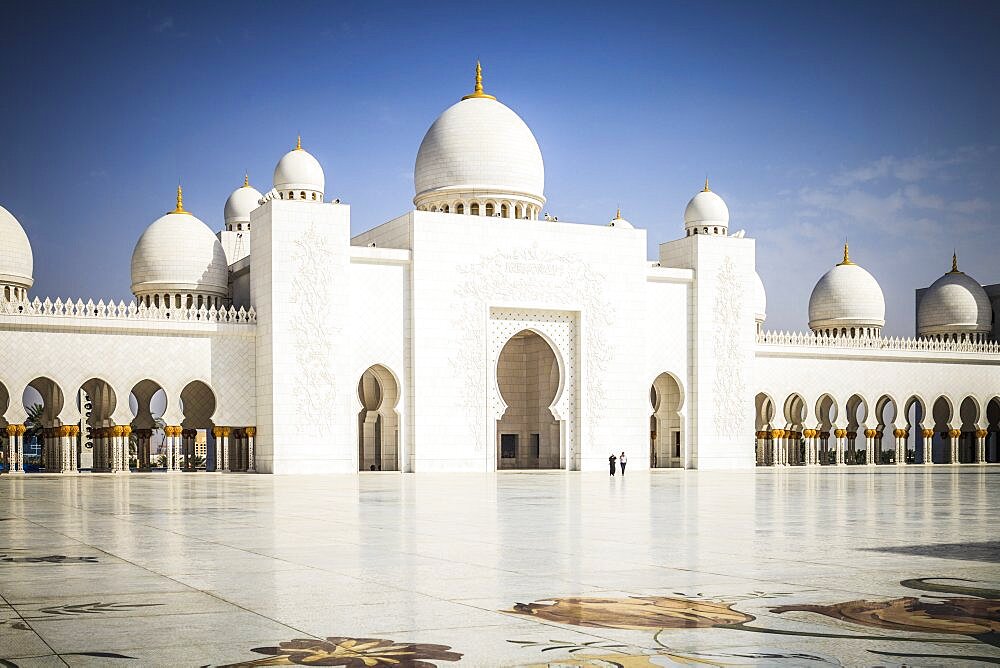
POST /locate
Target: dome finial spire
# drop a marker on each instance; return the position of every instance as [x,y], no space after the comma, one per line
[478,91]
[707,189]
[180,201]
[954,263]
[847,255]
[246,179]
[618,214]
[298,143]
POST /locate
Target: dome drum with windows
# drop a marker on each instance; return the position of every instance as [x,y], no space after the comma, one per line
[480,158]
[16,260]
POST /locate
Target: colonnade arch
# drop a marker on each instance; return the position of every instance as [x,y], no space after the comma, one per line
[879,429]
[378,420]
[198,405]
[666,426]
[148,402]
[528,436]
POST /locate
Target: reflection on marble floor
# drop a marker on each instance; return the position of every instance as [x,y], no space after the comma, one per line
[674,568]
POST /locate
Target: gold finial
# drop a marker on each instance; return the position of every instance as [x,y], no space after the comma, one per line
[954,263]
[847,256]
[707,189]
[618,214]
[298,143]
[180,201]
[246,180]
[478,92]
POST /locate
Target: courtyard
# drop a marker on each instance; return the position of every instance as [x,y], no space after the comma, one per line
[804,567]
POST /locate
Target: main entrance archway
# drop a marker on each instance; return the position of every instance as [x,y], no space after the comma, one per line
[528,435]
[665,438]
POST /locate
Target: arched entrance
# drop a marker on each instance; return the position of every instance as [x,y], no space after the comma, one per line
[100,451]
[528,435]
[378,422]
[666,448]
[43,401]
[147,401]
[197,406]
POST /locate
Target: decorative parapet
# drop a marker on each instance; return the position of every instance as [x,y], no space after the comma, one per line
[130,311]
[875,343]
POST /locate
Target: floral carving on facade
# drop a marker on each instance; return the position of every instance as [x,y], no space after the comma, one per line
[730,387]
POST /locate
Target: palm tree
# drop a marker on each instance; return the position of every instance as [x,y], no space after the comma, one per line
[33,422]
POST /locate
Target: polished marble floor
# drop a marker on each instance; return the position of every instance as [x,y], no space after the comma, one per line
[804,567]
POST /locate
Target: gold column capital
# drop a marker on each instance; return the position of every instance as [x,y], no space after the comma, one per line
[900,433]
[981,433]
[871,432]
[65,430]
[251,431]
[840,433]
[126,429]
[21,429]
[11,429]
[927,433]
[117,430]
[955,433]
[217,431]
[226,431]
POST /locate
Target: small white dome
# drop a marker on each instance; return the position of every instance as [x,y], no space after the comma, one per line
[954,304]
[241,202]
[476,148]
[16,260]
[846,296]
[759,298]
[179,253]
[706,209]
[298,170]
[618,221]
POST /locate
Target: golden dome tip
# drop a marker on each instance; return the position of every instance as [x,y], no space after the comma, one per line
[847,256]
[298,143]
[478,92]
[706,189]
[180,201]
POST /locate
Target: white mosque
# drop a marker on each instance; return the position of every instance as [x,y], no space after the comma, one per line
[476,333]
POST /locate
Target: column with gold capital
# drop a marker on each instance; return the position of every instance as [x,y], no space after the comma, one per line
[168,448]
[21,429]
[953,437]
[226,431]
[928,445]
[251,464]
[217,462]
[116,448]
[901,436]
[840,435]
[980,457]
[870,455]
[126,448]
[177,447]
[74,454]
[64,449]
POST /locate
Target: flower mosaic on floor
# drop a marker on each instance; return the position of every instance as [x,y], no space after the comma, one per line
[351,653]
[975,615]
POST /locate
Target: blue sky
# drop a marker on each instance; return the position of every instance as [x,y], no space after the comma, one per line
[815,121]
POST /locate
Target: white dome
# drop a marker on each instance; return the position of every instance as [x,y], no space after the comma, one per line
[759,298]
[244,199]
[16,260]
[846,296]
[954,304]
[299,170]
[178,253]
[618,221]
[479,147]
[706,209]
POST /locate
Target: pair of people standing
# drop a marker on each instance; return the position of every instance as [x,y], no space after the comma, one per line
[621,461]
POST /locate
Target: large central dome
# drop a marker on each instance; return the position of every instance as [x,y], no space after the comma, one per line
[479,157]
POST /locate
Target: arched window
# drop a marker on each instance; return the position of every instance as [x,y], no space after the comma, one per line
[518,212]
[715,230]
[302,194]
[696,230]
[314,195]
[281,195]
[489,209]
[445,209]
[705,230]
[156,301]
[460,208]
[504,211]
[474,208]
